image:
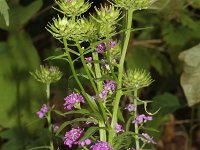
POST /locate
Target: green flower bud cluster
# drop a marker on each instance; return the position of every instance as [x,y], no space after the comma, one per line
[73,7]
[81,29]
[136,79]
[133,4]
[106,17]
[47,74]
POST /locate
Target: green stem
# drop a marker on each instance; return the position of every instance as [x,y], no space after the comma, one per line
[49,116]
[136,125]
[120,73]
[97,69]
[76,77]
[98,73]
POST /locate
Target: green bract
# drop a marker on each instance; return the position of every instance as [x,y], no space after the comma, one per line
[47,74]
[73,7]
[136,79]
[133,4]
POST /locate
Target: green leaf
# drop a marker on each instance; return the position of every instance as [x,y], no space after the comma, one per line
[4,11]
[89,133]
[19,15]
[65,124]
[167,102]
[81,111]
[190,77]
[120,115]
[18,89]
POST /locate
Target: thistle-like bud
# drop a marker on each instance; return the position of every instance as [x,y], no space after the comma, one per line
[136,79]
[86,30]
[107,15]
[47,74]
[81,29]
[133,4]
[73,7]
[61,27]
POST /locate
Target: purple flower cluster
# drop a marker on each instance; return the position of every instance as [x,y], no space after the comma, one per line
[101,48]
[103,94]
[72,100]
[43,110]
[101,145]
[142,119]
[109,86]
[131,107]
[73,136]
[55,128]
[118,128]
[112,44]
[88,59]
[148,139]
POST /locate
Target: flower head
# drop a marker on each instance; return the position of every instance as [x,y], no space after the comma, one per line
[55,128]
[142,119]
[118,128]
[88,59]
[43,110]
[101,48]
[110,85]
[131,107]
[101,145]
[137,79]
[112,44]
[103,94]
[47,74]
[73,136]
[147,139]
[72,100]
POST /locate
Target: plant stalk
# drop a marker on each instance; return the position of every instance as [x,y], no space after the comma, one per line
[49,117]
[120,73]
[97,69]
[137,144]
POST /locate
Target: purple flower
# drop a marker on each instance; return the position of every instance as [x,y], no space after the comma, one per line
[55,128]
[118,128]
[101,145]
[43,110]
[110,85]
[131,107]
[103,94]
[101,48]
[88,59]
[69,1]
[73,136]
[148,138]
[72,100]
[112,44]
[142,119]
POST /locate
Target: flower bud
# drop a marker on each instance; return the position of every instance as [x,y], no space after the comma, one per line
[133,4]
[73,7]
[137,79]
[107,15]
[47,74]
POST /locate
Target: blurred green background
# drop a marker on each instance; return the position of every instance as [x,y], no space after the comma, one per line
[170,50]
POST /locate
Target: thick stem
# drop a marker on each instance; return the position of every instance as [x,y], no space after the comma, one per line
[49,117]
[120,73]
[136,125]
[97,69]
